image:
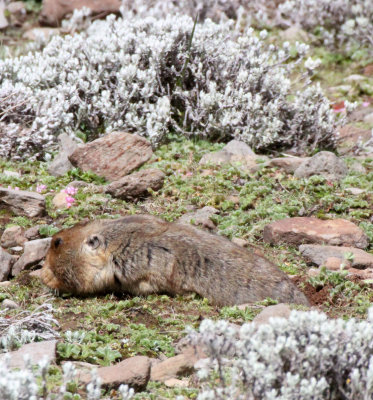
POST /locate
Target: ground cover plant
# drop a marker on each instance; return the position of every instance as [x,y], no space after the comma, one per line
[264,108]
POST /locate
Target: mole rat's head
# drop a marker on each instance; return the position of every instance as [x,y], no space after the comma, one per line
[78,261]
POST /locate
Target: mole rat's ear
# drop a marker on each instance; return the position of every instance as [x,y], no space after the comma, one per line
[95,241]
[57,242]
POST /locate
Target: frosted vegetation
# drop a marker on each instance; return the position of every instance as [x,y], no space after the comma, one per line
[337,22]
[30,383]
[306,357]
[156,76]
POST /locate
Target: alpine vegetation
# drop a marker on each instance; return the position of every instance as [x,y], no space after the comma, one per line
[31,383]
[26,327]
[306,357]
[155,76]
[337,22]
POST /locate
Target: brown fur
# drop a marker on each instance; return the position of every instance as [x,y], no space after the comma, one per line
[143,254]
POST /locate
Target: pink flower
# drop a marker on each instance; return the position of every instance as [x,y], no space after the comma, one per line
[71,190]
[40,188]
[16,188]
[69,200]
[366,104]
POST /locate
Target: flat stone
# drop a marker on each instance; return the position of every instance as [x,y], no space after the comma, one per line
[276,311]
[61,163]
[34,252]
[21,202]
[326,164]
[54,11]
[36,352]
[288,164]
[293,34]
[9,304]
[234,153]
[178,365]
[134,372]
[3,21]
[113,156]
[355,191]
[369,118]
[318,255]
[301,230]
[336,264]
[200,217]
[240,242]
[238,148]
[136,185]
[355,78]
[6,263]
[12,236]
[40,33]
[16,7]
[5,284]
[33,232]
[59,200]
[176,383]
[357,167]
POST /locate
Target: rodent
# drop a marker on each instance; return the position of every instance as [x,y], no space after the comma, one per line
[142,254]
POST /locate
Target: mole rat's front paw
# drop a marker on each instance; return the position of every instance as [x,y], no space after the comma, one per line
[49,279]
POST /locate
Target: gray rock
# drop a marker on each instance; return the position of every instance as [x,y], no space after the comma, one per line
[9,304]
[355,191]
[136,185]
[355,78]
[358,167]
[369,118]
[43,34]
[319,255]
[35,351]
[276,311]
[34,252]
[238,148]
[293,34]
[54,11]
[113,156]
[61,164]
[177,366]
[235,153]
[288,164]
[13,236]
[23,203]
[134,372]
[6,263]
[33,233]
[302,230]
[326,164]
[3,21]
[200,217]
[5,284]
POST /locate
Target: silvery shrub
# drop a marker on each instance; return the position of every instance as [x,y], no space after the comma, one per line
[338,22]
[155,76]
[306,357]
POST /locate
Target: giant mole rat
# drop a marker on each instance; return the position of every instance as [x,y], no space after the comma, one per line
[142,254]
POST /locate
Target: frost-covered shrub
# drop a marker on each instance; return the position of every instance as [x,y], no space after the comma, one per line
[338,21]
[306,357]
[30,383]
[152,76]
[26,327]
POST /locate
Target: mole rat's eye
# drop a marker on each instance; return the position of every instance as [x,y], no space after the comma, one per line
[57,243]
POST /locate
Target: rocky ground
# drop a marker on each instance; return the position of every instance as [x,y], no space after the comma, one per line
[311,214]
